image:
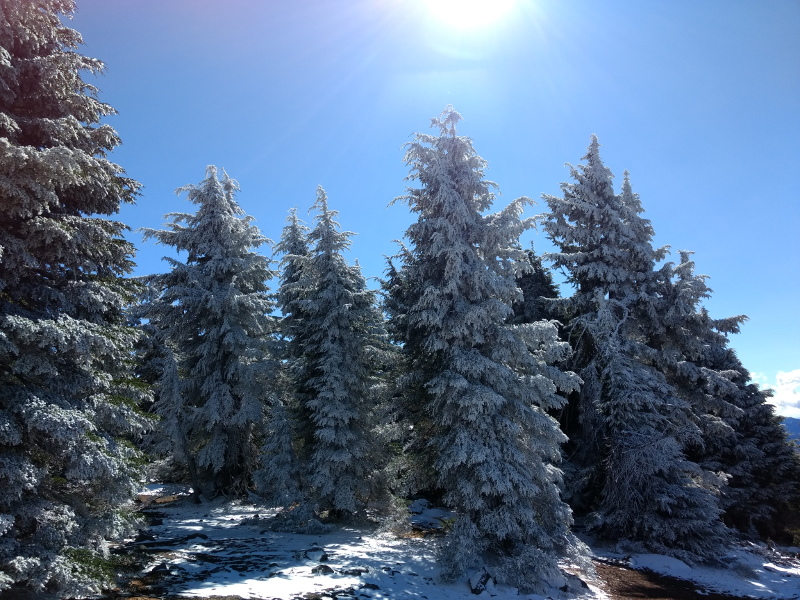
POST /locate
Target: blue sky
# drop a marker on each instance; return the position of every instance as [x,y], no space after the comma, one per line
[698,100]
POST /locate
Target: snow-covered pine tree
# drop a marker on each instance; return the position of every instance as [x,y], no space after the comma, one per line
[763,464]
[69,402]
[478,388]
[341,343]
[688,342]
[293,245]
[293,291]
[652,494]
[634,425]
[586,225]
[213,311]
[278,479]
[741,436]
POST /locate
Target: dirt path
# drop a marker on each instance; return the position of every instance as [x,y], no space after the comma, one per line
[623,583]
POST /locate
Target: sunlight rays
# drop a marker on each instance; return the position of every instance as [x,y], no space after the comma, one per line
[469,14]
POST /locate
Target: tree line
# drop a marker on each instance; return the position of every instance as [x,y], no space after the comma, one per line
[467,378]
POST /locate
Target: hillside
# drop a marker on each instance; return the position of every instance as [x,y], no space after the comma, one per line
[793,426]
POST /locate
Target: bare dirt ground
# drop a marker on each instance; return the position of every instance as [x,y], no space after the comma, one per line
[622,583]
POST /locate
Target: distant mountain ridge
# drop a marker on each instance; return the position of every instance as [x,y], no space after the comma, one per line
[793,426]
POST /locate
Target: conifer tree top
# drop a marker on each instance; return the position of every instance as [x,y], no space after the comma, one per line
[604,243]
[447,121]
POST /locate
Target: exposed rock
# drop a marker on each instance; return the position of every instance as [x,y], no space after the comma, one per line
[370,586]
[322,570]
[479,581]
[357,571]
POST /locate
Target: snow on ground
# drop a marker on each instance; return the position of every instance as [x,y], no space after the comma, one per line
[225,549]
[757,572]
[749,570]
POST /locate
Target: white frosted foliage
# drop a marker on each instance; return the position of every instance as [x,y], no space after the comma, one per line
[213,312]
[478,389]
[278,478]
[634,428]
[338,343]
[740,436]
[69,410]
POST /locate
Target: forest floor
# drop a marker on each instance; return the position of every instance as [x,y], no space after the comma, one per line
[226,551]
[620,582]
[614,581]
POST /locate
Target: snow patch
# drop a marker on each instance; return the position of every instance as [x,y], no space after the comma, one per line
[666,565]
[751,570]
[224,548]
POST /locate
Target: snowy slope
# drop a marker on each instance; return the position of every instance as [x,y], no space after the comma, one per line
[225,549]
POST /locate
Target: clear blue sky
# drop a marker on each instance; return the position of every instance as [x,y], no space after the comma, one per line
[700,101]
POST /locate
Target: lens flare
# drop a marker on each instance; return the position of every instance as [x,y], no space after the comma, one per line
[469,14]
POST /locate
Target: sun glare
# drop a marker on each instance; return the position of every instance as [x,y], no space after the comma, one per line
[469,14]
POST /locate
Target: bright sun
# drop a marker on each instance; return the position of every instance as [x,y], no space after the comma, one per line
[469,14]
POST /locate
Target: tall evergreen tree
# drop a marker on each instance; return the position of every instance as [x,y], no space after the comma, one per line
[213,311]
[278,481]
[634,426]
[69,402]
[341,342]
[689,343]
[763,464]
[293,245]
[293,292]
[741,436]
[477,389]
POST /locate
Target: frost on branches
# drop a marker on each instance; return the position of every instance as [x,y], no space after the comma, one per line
[477,389]
[338,345]
[293,245]
[213,312]
[634,426]
[741,437]
[278,479]
[69,406]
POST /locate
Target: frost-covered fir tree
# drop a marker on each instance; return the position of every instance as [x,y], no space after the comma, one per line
[278,479]
[69,403]
[688,342]
[600,253]
[293,245]
[652,494]
[763,464]
[213,311]
[634,425]
[741,436]
[477,388]
[292,295]
[340,341]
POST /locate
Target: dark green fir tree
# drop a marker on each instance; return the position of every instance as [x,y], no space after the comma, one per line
[69,406]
